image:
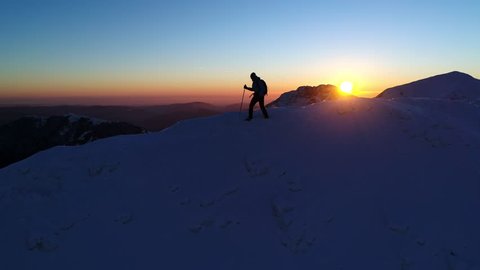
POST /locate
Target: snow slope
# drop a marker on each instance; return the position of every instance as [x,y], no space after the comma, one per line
[347,184]
[454,85]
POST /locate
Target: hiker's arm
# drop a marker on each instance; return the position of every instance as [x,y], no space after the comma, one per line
[248,88]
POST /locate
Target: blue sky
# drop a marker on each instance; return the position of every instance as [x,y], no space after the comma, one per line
[211,46]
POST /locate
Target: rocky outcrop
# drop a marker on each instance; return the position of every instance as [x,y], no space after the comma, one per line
[306,95]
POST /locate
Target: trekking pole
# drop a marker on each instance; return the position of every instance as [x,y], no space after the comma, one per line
[241,104]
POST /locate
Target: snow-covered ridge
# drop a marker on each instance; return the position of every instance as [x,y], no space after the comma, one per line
[347,184]
[454,85]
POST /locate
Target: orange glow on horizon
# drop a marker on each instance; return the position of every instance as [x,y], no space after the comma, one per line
[137,91]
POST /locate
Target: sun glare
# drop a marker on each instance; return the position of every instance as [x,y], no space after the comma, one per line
[346,87]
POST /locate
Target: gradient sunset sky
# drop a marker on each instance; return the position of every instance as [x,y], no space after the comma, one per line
[161,51]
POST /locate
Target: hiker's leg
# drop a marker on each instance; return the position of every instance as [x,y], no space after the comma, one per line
[252,104]
[261,101]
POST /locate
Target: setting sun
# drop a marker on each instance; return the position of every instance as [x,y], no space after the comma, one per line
[346,87]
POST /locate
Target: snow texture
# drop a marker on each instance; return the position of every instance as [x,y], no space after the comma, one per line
[346,184]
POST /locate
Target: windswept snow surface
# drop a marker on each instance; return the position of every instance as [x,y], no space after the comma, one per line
[347,184]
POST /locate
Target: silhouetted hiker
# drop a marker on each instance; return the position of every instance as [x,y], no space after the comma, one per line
[259,88]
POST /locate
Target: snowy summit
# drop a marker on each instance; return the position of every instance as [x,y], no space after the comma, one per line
[342,184]
[454,85]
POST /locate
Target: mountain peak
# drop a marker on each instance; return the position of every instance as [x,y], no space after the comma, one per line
[457,73]
[453,85]
[453,75]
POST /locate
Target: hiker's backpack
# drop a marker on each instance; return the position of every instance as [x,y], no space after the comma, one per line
[264,90]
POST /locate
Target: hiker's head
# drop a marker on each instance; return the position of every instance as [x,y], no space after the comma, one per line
[253,76]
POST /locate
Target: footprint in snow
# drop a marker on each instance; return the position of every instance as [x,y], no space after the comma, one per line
[124,218]
[173,188]
[42,243]
[256,168]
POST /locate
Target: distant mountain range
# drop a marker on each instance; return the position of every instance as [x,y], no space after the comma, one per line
[151,118]
[29,135]
[454,85]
